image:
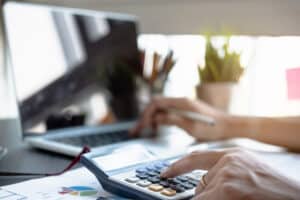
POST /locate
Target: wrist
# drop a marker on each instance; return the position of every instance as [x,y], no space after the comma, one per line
[227,126]
[237,126]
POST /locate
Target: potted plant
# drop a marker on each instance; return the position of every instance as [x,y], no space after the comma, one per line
[221,72]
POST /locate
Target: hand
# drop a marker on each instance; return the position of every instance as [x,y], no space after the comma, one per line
[235,174]
[156,113]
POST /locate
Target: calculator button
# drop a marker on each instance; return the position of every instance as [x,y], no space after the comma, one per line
[156,187]
[177,181]
[171,180]
[187,186]
[193,182]
[151,173]
[159,165]
[164,183]
[132,179]
[177,188]
[142,176]
[144,183]
[141,170]
[168,192]
[183,178]
[150,168]
[158,171]
[154,179]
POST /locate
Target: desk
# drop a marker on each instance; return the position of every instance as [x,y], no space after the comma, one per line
[27,159]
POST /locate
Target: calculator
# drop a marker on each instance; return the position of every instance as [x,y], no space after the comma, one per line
[135,174]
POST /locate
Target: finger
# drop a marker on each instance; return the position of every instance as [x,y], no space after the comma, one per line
[135,131]
[199,188]
[177,103]
[145,120]
[164,118]
[195,160]
[158,103]
[204,196]
[212,177]
[204,183]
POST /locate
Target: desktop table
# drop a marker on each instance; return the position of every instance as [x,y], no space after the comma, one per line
[27,159]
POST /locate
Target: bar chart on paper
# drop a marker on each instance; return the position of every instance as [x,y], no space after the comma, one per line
[78,191]
[7,195]
[77,184]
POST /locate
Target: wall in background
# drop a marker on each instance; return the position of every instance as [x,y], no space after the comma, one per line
[254,17]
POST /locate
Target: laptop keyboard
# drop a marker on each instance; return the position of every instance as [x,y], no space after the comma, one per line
[94,140]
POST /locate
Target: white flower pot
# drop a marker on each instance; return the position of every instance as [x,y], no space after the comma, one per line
[216,94]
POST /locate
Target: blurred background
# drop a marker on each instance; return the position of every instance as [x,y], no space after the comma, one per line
[264,33]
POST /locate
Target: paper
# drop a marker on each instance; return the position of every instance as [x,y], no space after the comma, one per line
[288,164]
[7,195]
[78,184]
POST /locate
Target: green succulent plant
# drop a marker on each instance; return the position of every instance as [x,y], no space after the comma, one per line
[220,68]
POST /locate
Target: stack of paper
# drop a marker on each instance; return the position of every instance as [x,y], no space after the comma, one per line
[78,184]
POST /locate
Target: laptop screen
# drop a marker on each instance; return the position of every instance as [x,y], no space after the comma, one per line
[66,65]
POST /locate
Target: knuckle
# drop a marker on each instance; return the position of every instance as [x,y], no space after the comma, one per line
[229,188]
[237,150]
[227,174]
[229,158]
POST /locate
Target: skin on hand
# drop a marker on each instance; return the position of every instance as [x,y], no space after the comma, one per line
[235,174]
[156,113]
[282,131]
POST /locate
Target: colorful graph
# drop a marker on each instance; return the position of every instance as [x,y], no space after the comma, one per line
[79,191]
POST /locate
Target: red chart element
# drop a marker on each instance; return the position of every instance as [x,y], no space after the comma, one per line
[293,83]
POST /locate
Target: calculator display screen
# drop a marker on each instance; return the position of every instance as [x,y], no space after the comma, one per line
[124,157]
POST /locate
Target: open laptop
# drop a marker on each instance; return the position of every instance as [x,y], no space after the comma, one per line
[63,62]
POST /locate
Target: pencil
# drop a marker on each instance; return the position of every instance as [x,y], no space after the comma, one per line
[194,116]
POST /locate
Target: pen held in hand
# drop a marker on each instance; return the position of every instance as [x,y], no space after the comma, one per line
[194,116]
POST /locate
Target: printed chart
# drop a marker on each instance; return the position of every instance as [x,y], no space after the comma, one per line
[4,194]
[78,191]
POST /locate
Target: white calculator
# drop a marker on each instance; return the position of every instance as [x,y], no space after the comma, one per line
[135,174]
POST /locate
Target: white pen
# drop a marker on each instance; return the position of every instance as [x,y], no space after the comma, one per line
[194,116]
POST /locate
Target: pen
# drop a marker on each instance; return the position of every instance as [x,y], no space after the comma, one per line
[194,116]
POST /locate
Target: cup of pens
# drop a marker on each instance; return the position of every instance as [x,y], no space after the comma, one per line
[160,68]
[129,89]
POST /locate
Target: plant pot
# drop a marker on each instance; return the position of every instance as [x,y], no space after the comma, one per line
[216,94]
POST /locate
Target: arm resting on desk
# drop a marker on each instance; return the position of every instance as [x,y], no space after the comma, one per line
[283,131]
[278,131]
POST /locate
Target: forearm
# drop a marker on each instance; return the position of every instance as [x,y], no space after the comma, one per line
[280,187]
[278,131]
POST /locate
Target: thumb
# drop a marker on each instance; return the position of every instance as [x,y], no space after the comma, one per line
[196,160]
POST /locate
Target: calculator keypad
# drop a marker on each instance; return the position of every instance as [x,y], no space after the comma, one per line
[149,178]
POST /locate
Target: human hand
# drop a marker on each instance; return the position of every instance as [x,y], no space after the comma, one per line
[158,113]
[234,174]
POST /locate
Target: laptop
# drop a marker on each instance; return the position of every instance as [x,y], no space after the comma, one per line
[65,66]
